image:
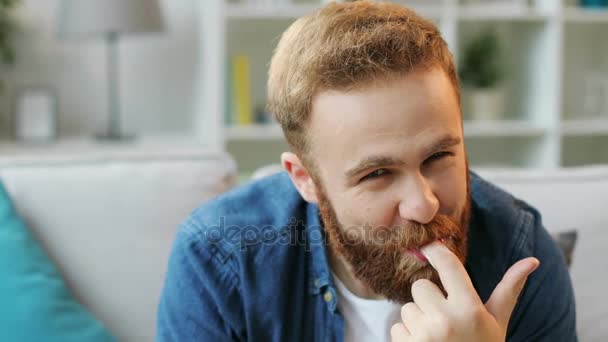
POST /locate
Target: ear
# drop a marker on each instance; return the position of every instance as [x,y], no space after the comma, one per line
[299,176]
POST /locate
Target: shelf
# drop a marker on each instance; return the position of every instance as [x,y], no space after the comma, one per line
[252,11]
[584,150]
[512,128]
[505,128]
[585,15]
[583,127]
[254,132]
[147,147]
[292,11]
[550,33]
[467,12]
[503,12]
[428,10]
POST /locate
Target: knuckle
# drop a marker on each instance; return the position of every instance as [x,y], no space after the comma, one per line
[423,337]
[443,328]
[475,313]
[396,331]
[421,283]
[418,285]
[408,310]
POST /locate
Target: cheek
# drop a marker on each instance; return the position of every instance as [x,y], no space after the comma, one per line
[451,191]
[371,210]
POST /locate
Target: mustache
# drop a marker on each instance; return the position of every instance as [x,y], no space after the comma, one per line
[405,236]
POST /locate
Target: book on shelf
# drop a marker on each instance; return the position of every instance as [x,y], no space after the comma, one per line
[241,90]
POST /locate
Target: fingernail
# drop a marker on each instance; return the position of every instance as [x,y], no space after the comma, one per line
[536,264]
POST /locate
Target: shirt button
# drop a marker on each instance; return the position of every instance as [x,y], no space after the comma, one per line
[328,297]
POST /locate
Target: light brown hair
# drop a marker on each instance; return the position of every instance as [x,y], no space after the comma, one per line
[346,46]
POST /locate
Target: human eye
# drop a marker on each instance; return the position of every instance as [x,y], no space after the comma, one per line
[375,174]
[438,156]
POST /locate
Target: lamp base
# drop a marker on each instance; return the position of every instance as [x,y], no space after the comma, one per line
[114,137]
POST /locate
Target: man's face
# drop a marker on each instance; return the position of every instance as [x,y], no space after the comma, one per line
[391,177]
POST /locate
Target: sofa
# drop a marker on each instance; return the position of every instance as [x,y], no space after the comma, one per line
[108,221]
[107,218]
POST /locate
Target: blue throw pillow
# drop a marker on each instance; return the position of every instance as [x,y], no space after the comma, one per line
[35,305]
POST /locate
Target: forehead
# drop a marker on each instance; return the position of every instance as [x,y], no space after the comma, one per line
[396,116]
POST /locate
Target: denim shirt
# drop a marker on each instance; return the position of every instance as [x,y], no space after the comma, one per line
[251,265]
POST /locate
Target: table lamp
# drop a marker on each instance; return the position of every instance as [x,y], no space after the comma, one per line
[110,19]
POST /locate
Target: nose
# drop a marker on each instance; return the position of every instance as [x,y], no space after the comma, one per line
[418,202]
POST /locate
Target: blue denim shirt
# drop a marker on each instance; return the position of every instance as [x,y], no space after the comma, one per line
[251,265]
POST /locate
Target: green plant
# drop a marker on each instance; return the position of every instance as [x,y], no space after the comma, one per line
[7,25]
[481,65]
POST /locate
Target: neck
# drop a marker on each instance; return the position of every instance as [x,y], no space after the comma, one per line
[344,272]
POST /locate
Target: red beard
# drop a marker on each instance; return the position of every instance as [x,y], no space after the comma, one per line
[378,255]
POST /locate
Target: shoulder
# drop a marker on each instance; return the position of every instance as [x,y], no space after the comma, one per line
[510,220]
[258,211]
[503,230]
[495,203]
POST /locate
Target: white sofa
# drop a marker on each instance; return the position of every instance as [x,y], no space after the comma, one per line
[108,220]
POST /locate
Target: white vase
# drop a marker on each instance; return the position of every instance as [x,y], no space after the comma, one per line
[486,103]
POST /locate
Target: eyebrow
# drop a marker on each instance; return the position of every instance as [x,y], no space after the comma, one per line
[372,162]
[442,144]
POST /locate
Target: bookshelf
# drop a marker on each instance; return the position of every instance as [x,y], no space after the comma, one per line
[548,44]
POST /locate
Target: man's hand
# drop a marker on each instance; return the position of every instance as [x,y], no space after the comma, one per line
[461,316]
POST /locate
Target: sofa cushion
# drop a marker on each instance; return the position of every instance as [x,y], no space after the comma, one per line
[566,242]
[108,221]
[36,305]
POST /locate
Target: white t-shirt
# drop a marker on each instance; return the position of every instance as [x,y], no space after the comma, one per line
[366,319]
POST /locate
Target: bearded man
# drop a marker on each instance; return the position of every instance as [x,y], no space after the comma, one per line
[377,230]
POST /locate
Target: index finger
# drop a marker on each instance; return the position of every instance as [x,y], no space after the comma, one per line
[452,273]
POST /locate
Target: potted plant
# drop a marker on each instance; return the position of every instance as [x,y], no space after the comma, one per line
[481,74]
[7,54]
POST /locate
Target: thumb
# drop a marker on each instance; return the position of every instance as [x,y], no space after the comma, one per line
[505,295]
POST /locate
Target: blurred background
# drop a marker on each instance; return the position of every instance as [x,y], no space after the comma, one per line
[534,75]
[116,116]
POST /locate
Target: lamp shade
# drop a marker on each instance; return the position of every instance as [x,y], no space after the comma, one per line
[82,18]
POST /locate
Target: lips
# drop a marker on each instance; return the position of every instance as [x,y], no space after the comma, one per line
[418,254]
